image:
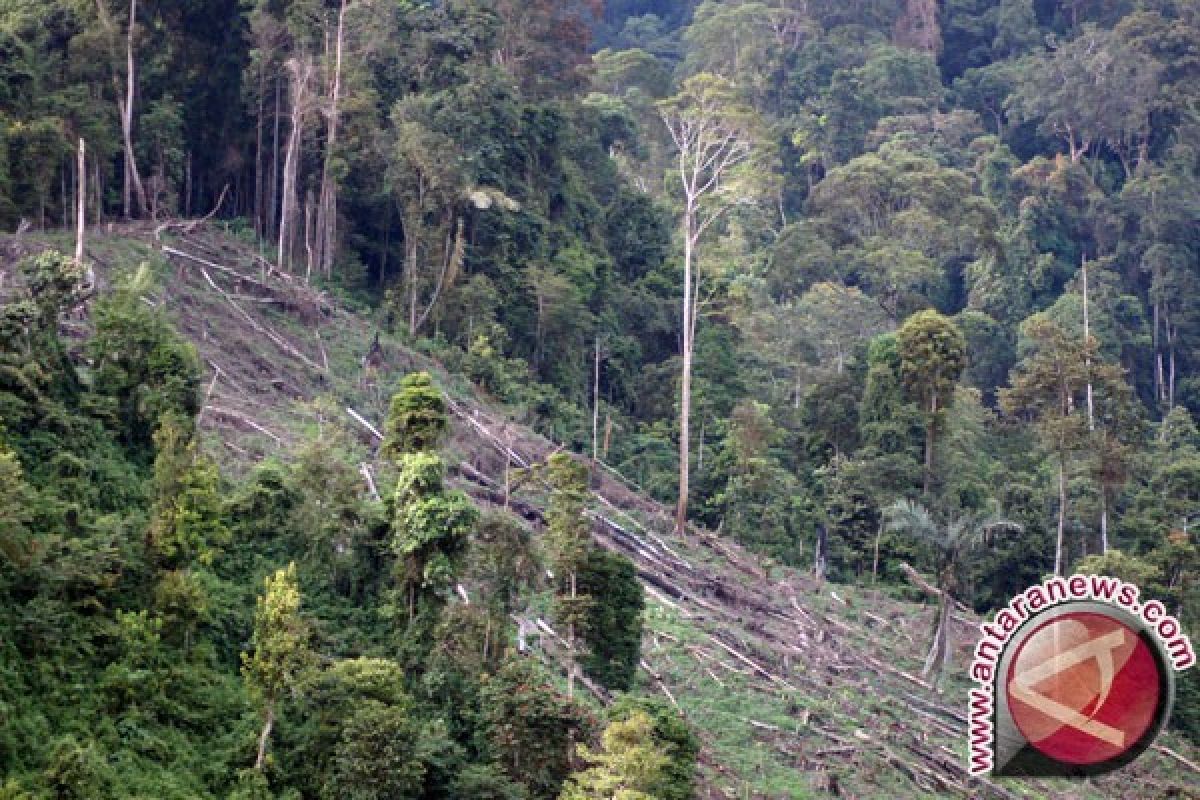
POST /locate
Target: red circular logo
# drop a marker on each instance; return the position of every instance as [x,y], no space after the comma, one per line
[1084,688]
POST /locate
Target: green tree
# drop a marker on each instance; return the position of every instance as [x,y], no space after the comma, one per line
[677,779]
[141,362]
[15,499]
[1092,89]
[629,766]
[753,497]
[430,526]
[187,525]
[279,649]
[1049,385]
[715,136]
[426,179]
[933,354]
[901,224]
[568,534]
[416,419]
[613,627]
[530,726]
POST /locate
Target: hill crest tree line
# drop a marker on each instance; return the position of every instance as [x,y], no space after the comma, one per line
[784,264]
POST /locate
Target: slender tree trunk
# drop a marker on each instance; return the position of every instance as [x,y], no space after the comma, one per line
[1091,408]
[263,737]
[819,558]
[132,179]
[1087,333]
[411,245]
[300,70]
[80,202]
[1170,331]
[273,205]
[308,245]
[1103,521]
[596,404]
[573,665]
[327,209]
[259,227]
[1062,514]
[936,658]
[875,560]
[685,377]
[930,434]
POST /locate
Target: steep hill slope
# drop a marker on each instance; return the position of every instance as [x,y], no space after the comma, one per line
[796,688]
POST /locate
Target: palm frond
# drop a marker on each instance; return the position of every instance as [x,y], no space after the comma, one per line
[905,516]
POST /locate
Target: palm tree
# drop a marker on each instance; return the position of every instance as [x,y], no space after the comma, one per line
[955,539]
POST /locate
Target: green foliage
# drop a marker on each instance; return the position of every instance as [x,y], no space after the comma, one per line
[430,526]
[756,504]
[629,766]
[188,524]
[76,771]
[933,353]
[377,756]
[416,418]
[613,627]
[530,725]
[15,496]
[673,737]
[510,208]
[142,364]
[279,647]
[567,526]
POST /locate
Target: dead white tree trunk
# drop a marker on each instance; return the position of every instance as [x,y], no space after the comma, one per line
[132,178]
[327,208]
[1091,408]
[596,405]
[300,70]
[936,658]
[80,202]
[709,144]
[264,737]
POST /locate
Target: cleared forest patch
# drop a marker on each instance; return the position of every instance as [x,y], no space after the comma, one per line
[797,688]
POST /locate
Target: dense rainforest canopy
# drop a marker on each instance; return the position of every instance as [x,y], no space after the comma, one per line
[782,263]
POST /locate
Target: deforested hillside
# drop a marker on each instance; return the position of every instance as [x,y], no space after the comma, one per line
[535,399]
[794,686]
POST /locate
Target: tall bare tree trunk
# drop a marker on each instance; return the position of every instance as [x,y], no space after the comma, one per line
[685,377]
[1091,407]
[272,215]
[301,72]
[1170,331]
[596,405]
[125,107]
[80,202]
[264,736]
[259,227]
[412,246]
[327,210]
[936,657]
[308,234]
